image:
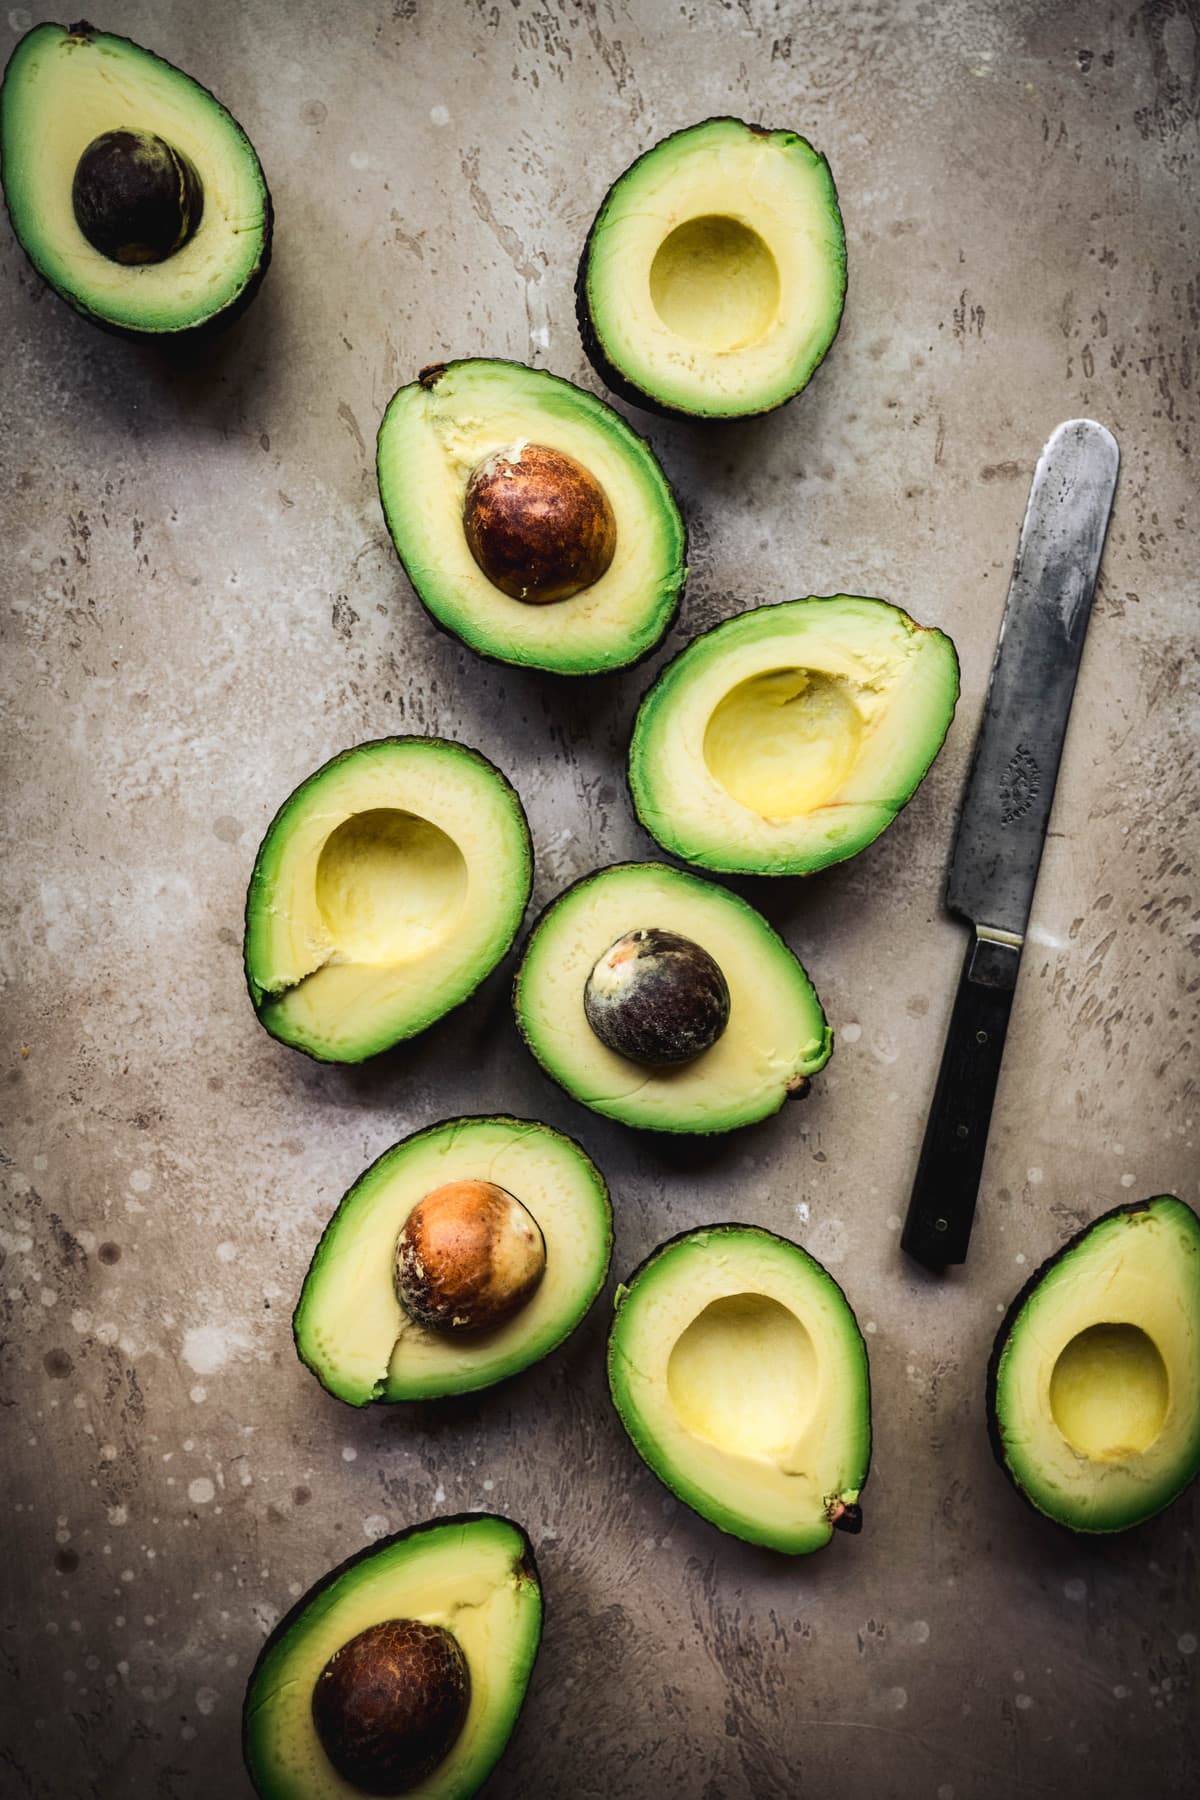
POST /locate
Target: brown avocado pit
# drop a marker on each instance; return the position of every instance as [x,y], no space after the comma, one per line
[468,1257]
[136,198]
[657,998]
[539,525]
[389,1705]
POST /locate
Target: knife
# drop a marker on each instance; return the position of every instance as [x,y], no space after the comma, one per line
[1006,806]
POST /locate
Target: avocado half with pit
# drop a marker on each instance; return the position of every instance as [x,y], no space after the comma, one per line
[369,1331]
[714,275]
[132,191]
[602,940]
[401,1671]
[739,1371]
[789,737]
[532,522]
[1093,1390]
[386,888]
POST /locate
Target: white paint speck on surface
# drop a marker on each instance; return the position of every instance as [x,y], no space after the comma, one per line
[349,1453]
[1034,1177]
[849,1034]
[440,115]
[945,1792]
[359,160]
[1121,1692]
[893,1221]
[206,1700]
[488,1485]
[48,1297]
[439,1495]
[917,1632]
[1118,1149]
[205,1349]
[870,1328]
[201,1490]
[198,1395]
[828,1241]
[1019,1257]
[375,1526]
[1187,1644]
[1024,1702]
[802,1211]
[1127,1180]
[141,1181]
[226,1252]
[118,1515]
[1075,1589]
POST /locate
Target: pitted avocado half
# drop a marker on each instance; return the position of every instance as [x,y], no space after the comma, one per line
[713,278]
[473,1577]
[351,1329]
[474,419]
[776,1036]
[740,1374]
[386,888]
[789,737]
[1093,1391]
[132,190]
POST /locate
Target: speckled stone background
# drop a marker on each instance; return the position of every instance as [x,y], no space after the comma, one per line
[201,605]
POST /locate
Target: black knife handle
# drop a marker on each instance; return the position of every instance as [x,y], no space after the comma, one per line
[938,1227]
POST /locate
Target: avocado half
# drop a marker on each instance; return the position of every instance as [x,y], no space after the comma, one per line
[475,1576]
[441,428]
[775,1039]
[66,87]
[739,1372]
[386,888]
[714,275]
[1093,1388]
[789,737]
[350,1328]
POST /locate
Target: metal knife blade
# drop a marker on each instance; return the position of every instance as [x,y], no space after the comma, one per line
[1002,825]
[1009,792]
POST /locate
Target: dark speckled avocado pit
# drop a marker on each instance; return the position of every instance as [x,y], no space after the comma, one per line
[389,1704]
[136,198]
[538,524]
[657,998]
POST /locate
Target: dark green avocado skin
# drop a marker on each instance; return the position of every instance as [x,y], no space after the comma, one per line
[528,1565]
[260,1000]
[195,335]
[995,1434]
[593,348]
[428,377]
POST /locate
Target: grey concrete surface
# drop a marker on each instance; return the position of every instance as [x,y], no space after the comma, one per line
[201,604]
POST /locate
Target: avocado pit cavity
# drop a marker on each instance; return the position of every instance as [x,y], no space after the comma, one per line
[715,283]
[470,1255]
[782,743]
[1109,1392]
[657,998]
[389,885]
[136,198]
[389,1705]
[538,524]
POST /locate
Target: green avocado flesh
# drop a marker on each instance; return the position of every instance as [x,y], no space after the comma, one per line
[387,887]
[439,429]
[789,737]
[739,1371]
[1094,1384]
[62,90]
[475,1577]
[714,275]
[351,1330]
[775,1039]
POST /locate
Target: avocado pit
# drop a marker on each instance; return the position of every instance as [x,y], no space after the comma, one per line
[538,524]
[389,1705]
[136,198]
[469,1256]
[657,998]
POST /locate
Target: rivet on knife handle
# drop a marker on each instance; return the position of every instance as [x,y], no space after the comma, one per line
[1005,811]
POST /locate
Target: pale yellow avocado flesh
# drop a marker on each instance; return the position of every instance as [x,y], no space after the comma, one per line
[351,1329]
[387,885]
[62,92]
[459,1577]
[432,439]
[776,1035]
[741,1375]
[716,270]
[790,736]
[1097,1389]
